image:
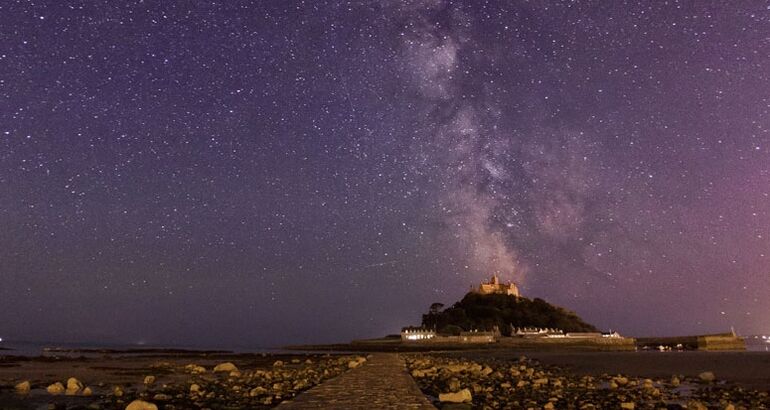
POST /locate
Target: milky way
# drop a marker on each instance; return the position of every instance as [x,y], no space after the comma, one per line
[258,173]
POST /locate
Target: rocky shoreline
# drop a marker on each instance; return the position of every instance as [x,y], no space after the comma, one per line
[172,385]
[524,383]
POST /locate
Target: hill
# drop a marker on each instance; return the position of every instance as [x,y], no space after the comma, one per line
[484,312]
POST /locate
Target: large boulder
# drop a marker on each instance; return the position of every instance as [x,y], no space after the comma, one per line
[225,367]
[462,396]
[23,387]
[55,389]
[707,377]
[141,405]
[73,386]
[258,391]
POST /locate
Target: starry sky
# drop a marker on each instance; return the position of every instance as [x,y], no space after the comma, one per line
[257,173]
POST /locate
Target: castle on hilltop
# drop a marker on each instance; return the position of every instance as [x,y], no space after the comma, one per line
[494,286]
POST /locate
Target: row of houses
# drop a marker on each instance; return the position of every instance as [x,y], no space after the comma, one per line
[423,334]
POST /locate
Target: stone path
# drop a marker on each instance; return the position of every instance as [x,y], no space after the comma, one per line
[380,383]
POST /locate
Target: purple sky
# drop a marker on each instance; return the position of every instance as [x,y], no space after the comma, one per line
[258,173]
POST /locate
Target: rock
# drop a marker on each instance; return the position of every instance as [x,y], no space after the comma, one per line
[73,386]
[675,381]
[457,406]
[278,363]
[627,405]
[23,387]
[549,406]
[456,368]
[55,389]
[194,388]
[462,396]
[453,385]
[235,373]
[195,369]
[141,405]
[729,407]
[417,373]
[358,361]
[621,381]
[87,392]
[353,364]
[148,380]
[486,371]
[117,391]
[707,377]
[161,397]
[225,367]
[541,381]
[294,361]
[257,391]
[696,405]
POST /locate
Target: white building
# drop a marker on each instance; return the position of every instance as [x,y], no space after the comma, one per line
[414,333]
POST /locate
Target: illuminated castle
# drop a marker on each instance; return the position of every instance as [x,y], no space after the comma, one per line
[494,286]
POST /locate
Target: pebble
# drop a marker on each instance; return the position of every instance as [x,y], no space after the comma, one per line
[462,396]
[358,361]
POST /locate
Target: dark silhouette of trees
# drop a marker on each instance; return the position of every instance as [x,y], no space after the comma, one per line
[484,312]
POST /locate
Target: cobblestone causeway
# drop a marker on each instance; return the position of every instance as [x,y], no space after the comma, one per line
[380,383]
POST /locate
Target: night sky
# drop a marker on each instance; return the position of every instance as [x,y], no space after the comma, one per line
[230,173]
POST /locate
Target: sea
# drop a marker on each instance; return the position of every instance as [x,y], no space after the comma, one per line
[34,349]
[754,343]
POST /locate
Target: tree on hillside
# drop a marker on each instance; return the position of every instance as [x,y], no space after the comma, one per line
[485,312]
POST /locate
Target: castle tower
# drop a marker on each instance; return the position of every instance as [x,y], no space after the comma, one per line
[494,286]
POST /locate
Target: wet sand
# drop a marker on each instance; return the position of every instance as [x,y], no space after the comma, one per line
[748,369]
